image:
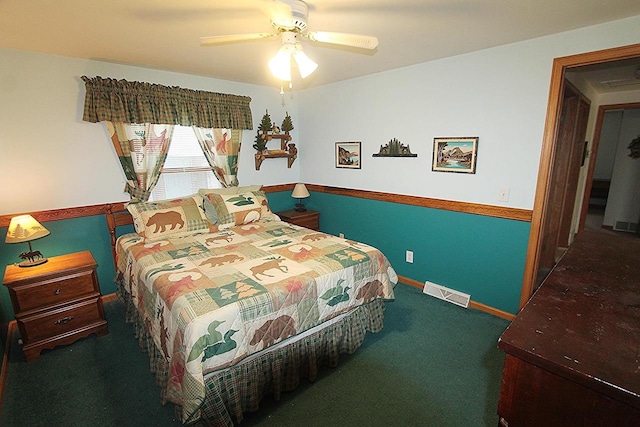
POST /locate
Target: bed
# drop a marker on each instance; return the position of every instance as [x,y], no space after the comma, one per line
[231,303]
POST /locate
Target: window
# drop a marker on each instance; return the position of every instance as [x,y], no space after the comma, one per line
[186,169]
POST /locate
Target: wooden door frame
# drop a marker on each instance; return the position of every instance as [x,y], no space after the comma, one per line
[560,65]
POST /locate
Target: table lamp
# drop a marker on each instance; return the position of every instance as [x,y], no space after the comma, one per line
[300,192]
[25,228]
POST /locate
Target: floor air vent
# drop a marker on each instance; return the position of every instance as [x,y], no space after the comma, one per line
[446,294]
[631,227]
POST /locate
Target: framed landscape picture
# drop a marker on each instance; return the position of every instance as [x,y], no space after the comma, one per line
[455,154]
[348,155]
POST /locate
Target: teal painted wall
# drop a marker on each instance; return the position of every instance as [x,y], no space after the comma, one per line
[67,236]
[281,201]
[478,255]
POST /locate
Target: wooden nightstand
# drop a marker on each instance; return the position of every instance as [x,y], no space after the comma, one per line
[57,302]
[308,219]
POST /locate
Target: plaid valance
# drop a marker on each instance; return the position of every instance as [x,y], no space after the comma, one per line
[137,102]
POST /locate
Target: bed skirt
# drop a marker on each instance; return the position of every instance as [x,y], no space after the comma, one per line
[237,389]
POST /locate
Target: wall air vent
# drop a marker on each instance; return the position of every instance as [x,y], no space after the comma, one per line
[446,294]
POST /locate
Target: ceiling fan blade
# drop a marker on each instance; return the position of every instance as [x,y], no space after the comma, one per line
[353,40]
[216,40]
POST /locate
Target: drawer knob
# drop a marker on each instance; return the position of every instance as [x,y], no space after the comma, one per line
[57,292]
[64,320]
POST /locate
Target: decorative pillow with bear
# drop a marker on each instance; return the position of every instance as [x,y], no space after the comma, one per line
[210,209]
[169,218]
[238,209]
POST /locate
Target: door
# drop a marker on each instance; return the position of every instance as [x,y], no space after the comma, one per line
[572,128]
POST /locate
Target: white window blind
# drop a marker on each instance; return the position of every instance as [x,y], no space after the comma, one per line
[186,169]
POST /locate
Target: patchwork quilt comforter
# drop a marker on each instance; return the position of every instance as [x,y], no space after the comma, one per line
[209,300]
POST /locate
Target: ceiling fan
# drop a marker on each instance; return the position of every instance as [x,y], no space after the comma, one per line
[289,19]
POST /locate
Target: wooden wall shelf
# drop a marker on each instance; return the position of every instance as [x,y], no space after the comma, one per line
[287,150]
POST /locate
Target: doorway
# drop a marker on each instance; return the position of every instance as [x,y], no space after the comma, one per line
[603,207]
[541,208]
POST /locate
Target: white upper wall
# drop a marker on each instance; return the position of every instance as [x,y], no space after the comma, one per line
[51,159]
[498,94]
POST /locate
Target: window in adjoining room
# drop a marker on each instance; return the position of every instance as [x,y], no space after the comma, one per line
[186,169]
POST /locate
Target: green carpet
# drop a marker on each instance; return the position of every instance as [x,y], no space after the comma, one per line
[434,364]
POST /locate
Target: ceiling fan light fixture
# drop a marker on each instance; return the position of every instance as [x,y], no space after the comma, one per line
[289,19]
[280,65]
[305,64]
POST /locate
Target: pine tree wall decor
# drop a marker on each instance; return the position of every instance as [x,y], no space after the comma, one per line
[287,123]
[265,124]
[395,148]
[260,144]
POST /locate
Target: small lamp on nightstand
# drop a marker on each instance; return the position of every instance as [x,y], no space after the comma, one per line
[25,228]
[300,192]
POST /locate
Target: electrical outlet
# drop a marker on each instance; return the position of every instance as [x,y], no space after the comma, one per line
[503,194]
[409,257]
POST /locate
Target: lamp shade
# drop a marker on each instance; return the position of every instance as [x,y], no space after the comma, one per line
[305,65]
[24,228]
[280,65]
[300,191]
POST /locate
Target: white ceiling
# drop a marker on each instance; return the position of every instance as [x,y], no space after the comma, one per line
[164,34]
[619,76]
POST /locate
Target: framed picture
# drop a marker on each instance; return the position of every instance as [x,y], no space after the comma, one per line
[455,154]
[348,155]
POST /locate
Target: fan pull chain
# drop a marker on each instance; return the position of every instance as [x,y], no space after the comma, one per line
[282,90]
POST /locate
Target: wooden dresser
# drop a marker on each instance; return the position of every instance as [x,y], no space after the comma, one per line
[573,352]
[308,219]
[57,302]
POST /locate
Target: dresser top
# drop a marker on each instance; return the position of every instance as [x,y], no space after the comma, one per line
[583,323]
[57,265]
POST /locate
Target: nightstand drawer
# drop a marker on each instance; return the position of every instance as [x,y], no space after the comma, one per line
[54,291]
[308,219]
[311,222]
[60,321]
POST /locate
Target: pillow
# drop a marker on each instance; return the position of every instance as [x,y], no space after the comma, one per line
[238,209]
[209,207]
[169,218]
[210,211]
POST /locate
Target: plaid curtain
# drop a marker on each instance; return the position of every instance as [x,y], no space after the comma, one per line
[130,108]
[135,102]
[221,147]
[142,150]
